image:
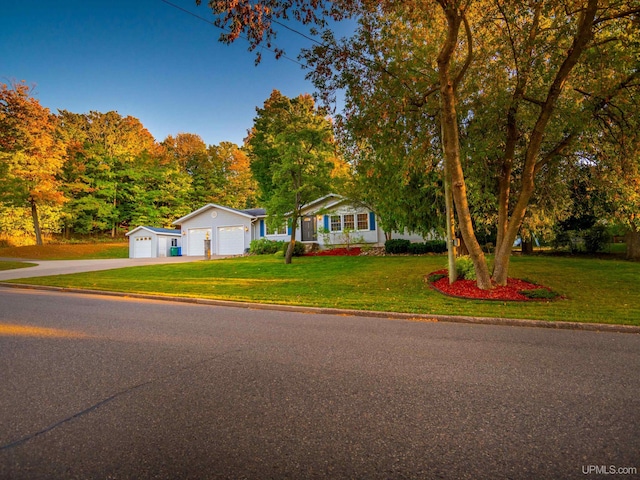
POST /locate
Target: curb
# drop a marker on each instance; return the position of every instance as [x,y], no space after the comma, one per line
[410,317]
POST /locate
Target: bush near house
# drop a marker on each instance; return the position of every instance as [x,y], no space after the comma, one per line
[397,245]
[405,246]
[264,246]
[298,249]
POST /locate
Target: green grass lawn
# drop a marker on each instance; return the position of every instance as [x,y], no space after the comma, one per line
[604,291]
[14,265]
[68,251]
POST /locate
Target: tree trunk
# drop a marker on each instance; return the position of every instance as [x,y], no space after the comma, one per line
[580,42]
[632,239]
[451,147]
[36,221]
[292,243]
[527,246]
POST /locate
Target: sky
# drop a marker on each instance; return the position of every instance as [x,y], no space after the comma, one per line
[146,59]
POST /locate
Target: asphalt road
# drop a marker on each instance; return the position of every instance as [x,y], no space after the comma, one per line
[109,388]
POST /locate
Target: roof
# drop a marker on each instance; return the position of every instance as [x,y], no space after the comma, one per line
[256,212]
[251,213]
[161,231]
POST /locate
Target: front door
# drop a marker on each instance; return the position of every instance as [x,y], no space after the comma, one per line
[309,231]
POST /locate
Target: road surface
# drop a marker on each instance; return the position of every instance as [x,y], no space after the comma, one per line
[110,388]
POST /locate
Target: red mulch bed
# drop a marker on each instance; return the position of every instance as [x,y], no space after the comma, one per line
[335,252]
[468,289]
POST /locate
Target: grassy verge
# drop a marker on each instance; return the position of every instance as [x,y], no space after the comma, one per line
[67,251]
[604,291]
[14,265]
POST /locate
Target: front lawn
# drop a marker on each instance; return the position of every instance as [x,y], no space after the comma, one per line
[68,251]
[10,265]
[604,291]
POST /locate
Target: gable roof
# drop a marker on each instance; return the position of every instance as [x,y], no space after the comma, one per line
[251,213]
[160,231]
[256,212]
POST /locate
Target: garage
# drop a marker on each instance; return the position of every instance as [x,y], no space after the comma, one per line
[153,242]
[197,236]
[142,247]
[231,240]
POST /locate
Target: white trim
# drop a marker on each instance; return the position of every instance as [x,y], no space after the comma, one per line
[171,234]
[209,206]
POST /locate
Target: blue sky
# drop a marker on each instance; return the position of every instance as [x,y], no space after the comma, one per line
[146,59]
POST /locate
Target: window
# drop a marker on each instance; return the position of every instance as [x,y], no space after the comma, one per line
[278,230]
[348,222]
[363,221]
[336,223]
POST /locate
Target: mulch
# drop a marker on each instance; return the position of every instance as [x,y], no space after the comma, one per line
[469,290]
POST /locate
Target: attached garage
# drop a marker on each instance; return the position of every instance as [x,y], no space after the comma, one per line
[152,242]
[196,237]
[229,230]
[231,240]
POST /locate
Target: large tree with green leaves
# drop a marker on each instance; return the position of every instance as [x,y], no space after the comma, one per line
[31,154]
[292,155]
[531,76]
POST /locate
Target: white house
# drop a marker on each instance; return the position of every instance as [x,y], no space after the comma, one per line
[324,221]
[151,242]
[229,230]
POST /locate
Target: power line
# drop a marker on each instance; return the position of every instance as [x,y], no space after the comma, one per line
[195,15]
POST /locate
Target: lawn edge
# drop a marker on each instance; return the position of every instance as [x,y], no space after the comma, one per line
[411,317]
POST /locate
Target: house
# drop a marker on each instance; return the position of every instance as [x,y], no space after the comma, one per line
[151,242]
[229,230]
[327,221]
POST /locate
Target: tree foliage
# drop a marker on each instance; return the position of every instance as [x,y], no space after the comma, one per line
[292,155]
[96,172]
[509,89]
[31,154]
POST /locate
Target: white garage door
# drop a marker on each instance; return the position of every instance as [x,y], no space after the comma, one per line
[141,247]
[197,237]
[230,240]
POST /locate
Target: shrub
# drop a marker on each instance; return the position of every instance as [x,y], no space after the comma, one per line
[464,268]
[437,246]
[596,239]
[264,246]
[397,246]
[419,248]
[298,248]
[541,293]
[434,277]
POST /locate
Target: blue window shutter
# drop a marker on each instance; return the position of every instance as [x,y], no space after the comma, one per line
[262,228]
[372,221]
[326,222]
[289,227]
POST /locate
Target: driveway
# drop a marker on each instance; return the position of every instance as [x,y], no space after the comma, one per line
[63,267]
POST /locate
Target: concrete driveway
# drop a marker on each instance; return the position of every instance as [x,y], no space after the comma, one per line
[63,267]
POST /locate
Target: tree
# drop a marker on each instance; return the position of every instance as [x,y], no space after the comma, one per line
[292,152]
[539,72]
[31,154]
[104,168]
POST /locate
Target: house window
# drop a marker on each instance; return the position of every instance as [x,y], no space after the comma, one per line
[363,221]
[348,222]
[336,223]
[278,230]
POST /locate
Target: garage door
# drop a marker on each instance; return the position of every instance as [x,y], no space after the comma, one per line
[142,247]
[230,240]
[197,237]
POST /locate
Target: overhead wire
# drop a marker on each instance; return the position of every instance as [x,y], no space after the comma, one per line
[199,17]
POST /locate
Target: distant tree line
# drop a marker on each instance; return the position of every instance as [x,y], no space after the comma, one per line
[97,173]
